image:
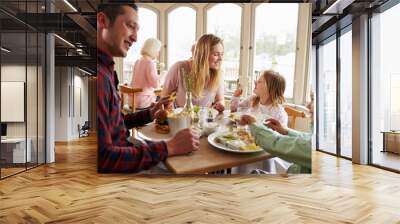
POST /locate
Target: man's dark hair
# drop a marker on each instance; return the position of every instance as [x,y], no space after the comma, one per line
[115,8]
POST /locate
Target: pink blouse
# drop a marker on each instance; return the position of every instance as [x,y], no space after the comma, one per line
[145,77]
[174,82]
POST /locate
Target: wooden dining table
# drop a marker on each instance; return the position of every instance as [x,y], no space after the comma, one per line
[206,159]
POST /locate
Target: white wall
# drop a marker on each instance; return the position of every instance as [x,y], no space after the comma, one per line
[61,103]
[16,73]
[79,117]
[69,82]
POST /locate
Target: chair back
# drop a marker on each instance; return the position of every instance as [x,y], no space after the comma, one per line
[293,114]
[129,91]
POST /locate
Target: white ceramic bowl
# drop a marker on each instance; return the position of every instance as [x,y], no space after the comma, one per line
[209,128]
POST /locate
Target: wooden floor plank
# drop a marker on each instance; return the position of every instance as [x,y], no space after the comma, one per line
[71,191]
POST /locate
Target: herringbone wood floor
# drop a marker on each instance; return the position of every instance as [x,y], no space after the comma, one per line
[71,191]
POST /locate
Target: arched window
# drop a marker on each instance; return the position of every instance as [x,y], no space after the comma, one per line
[227,27]
[181,34]
[275,42]
[147,28]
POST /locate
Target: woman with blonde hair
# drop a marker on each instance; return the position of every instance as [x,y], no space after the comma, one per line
[204,71]
[145,74]
[267,99]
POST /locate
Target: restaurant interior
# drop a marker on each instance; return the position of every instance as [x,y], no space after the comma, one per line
[337,57]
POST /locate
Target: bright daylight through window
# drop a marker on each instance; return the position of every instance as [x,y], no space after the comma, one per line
[148,28]
[181,34]
[275,43]
[228,27]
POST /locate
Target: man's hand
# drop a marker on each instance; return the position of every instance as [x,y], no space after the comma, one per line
[185,141]
[247,120]
[276,126]
[157,106]
[219,107]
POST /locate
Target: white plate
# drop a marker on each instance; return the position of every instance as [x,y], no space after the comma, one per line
[149,133]
[211,140]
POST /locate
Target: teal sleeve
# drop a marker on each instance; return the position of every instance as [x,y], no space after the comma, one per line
[294,147]
[295,133]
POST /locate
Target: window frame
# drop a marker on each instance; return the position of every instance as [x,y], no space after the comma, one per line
[41,54]
[333,37]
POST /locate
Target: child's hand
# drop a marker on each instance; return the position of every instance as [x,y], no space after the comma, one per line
[238,92]
[247,119]
[276,126]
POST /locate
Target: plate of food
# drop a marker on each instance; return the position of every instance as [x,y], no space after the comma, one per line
[234,116]
[234,141]
[171,121]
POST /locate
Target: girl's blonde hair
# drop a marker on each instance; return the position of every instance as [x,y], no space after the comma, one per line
[201,70]
[276,85]
[151,47]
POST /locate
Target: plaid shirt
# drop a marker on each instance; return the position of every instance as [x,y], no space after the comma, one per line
[115,153]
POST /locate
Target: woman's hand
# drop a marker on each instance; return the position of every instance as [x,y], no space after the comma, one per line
[276,126]
[219,107]
[247,120]
[238,92]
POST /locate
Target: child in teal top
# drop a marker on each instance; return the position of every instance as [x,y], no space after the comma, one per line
[282,142]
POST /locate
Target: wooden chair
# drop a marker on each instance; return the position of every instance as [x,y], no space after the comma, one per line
[157,92]
[293,114]
[129,91]
[124,89]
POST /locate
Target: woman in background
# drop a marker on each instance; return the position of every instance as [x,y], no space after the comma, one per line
[145,74]
[205,72]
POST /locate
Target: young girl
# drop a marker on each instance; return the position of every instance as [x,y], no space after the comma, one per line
[267,99]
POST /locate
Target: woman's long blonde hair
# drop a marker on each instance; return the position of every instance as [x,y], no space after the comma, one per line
[201,70]
[276,84]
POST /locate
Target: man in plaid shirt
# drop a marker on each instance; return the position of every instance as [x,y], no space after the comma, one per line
[117,27]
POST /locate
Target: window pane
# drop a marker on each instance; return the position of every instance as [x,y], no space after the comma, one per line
[275,42]
[148,28]
[346,94]
[228,28]
[181,34]
[385,86]
[13,85]
[327,97]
